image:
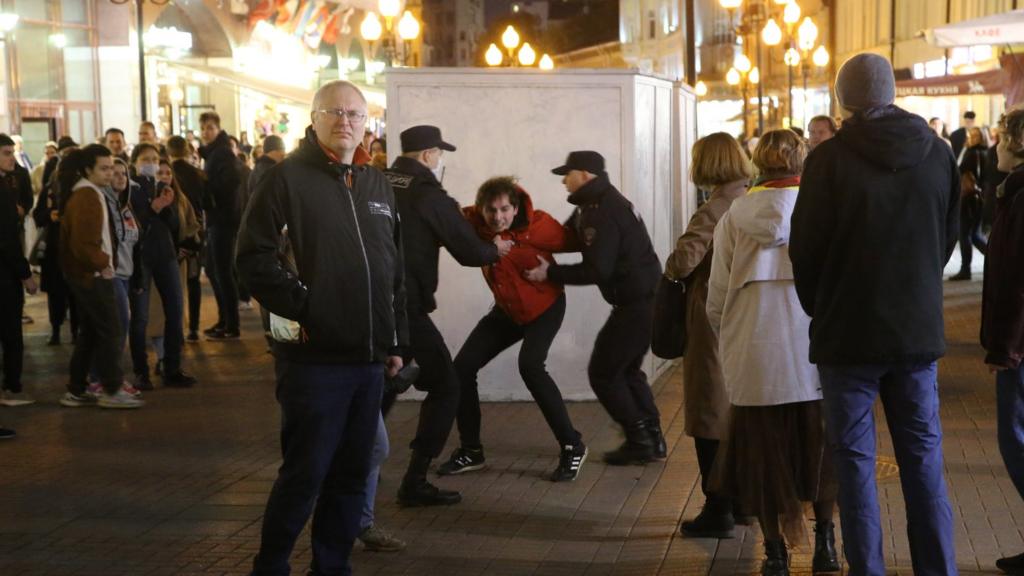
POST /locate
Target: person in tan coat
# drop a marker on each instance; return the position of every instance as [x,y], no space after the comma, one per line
[720,164]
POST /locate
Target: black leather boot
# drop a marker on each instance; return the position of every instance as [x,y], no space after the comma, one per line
[416,491]
[657,438]
[776,562]
[637,449]
[825,558]
[714,521]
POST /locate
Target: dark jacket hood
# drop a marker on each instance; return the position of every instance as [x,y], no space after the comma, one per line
[889,137]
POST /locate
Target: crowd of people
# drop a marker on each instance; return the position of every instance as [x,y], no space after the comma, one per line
[813,272]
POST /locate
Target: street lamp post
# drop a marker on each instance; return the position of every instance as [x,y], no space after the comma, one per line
[743,75]
[407,30]
[142,50]
[525,56]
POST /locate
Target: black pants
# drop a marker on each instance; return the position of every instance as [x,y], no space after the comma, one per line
[438,378]
[970,231]
[100,340]
[12,305]
[329,416]
[220,269]
[493,334]
[195,302]
[59,300]
[615,364]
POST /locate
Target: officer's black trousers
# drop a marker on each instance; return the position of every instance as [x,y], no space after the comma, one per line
[615,364]
[438,378]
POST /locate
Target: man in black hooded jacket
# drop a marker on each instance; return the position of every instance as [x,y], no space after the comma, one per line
[875,223]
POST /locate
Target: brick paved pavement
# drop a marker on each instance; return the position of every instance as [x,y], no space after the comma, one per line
[179,487]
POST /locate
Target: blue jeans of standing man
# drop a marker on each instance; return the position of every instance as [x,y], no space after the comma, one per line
[1010,411]
[381,447]
[911,400]
[329,416]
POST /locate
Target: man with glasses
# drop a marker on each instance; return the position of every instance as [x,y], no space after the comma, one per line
[431,219]
[320,249]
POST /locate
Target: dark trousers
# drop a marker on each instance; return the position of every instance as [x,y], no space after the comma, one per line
[220,269]
[1010,419]
[707,449]
[12,305]
[167,280]
[195,302]
[100,338]
[329,416]
[493,334]
[615,364]
[970,231]
[438,378]
[59,302]
[910,397]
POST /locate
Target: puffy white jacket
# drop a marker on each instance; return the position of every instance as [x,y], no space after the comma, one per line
[752,304]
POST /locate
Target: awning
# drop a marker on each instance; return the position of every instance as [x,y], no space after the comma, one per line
[1005,28]
[990,82]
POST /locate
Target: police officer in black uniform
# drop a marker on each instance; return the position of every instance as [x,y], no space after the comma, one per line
[618,257]
[431,219]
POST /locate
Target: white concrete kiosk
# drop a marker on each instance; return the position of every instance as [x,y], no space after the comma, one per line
[523,122]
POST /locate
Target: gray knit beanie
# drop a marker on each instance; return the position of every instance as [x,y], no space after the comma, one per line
[865,81]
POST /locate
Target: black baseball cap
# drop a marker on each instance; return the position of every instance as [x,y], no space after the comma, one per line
[423,138]
[586,160]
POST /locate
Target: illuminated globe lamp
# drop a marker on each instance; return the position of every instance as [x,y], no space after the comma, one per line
[527,55]
[510,40]
[493,55]
[732,77]
[408,27]
[791,13]
[820,57]
[807,34]
[546,63]
[701,89]
[371,28]
[742,63]
[772,33]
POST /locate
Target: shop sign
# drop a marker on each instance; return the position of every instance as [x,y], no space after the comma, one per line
[990,82]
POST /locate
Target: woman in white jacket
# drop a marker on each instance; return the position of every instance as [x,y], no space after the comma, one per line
[774,456]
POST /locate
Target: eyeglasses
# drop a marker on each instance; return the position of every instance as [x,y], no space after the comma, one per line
[353,116]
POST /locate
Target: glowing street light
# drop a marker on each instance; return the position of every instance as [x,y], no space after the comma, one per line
[701,88]
[371,28]
[754,76]
[807,34]
[8,22]
[742,63]
[493,55]
[389,8]
[791,13]
[771,34]
[59,40]
[408,26]
[732,77]
[820,57]
[546,63]
[527,55]
[730,4]
[510,38]
[791,58]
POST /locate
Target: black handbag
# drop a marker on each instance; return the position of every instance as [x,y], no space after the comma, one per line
[668,334]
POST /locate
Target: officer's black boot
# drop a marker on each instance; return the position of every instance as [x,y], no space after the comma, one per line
[416,491]
[776,562]
[637,449]
[660,449]
[714,521]
[825,558]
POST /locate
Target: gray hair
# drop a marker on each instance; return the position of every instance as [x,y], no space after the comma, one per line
[335,85]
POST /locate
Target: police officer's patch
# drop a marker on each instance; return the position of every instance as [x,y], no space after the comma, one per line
[588,235]
[398,180]
[379,208]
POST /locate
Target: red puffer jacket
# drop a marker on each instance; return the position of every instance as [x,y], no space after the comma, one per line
[535,233]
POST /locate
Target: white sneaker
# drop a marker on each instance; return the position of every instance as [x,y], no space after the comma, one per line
[94,389]
[120,400]
[13,399]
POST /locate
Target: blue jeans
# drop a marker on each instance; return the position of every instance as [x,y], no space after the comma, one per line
[910,397]
[329,416]
[1010,417]
[220,266]
[381,447]
[167,280]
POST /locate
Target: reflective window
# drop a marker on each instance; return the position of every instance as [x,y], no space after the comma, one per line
[74,11]
[79,66]
[33,9]
[37,70]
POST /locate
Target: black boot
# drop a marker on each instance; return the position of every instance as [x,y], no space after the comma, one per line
[660,450]
[637,449]
[776,562]
[825,557]
[416,491]
[714,521]
[1011,564]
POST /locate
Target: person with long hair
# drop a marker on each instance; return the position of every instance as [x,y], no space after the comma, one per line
[974,169]
[88,250]
[719,164]
[774,456]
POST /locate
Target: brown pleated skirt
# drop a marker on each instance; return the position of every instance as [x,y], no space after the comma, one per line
[774,459]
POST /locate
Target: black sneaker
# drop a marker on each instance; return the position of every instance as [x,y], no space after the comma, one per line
[714,521]
[1011,564]
[570,463]
[463,460]
[213,329]
[419,492]
[224,335]
[142,382]
[7,434]
[179,379]
[961,275]
[193,336]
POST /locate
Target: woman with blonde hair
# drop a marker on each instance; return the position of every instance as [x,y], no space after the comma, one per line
[774,456]
[719,164]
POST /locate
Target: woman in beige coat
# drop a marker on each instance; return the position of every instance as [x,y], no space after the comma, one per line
[718,164]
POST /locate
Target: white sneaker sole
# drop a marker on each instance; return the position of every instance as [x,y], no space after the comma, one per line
[120,405]
[13,403]
[463,470]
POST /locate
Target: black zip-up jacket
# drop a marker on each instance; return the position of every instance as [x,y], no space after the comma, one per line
[223,207]
[1002,302]
[158,232]
[875,222]
[617,253]
[431,219]
[347,290]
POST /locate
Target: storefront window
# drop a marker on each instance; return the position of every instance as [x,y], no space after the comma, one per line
[79,66]
[36,68]
[33,9]
[74,11]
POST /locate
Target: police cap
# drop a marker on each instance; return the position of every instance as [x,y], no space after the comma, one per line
[585,160]
[423,138]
